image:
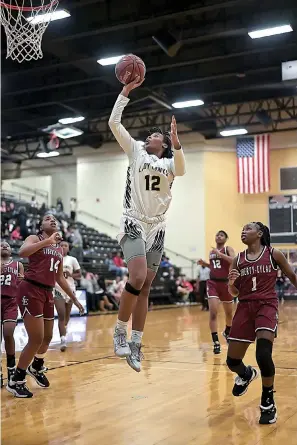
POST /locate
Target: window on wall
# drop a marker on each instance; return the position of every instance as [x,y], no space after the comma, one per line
[288,178]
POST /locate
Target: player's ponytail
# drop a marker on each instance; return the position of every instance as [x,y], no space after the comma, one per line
[265,240]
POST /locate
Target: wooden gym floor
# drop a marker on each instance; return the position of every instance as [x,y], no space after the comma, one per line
[182,396]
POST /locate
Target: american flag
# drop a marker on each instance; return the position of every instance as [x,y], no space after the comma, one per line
[253,158]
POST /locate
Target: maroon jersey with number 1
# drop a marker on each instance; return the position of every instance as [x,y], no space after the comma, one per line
[44,264]
[9,279]
[257,277]
[219,268]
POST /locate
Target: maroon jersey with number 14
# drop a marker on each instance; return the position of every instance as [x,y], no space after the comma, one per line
[257,277]
[219,268]
[9,279]
[44,264]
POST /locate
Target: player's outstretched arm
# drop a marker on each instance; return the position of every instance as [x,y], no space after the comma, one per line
[178,154]
[128,144]
[285,266]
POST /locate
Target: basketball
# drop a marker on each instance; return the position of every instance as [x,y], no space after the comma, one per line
[129,67]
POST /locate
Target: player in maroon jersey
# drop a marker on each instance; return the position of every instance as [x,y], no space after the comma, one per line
[11,272]
[220,260]
[36,303]
[253,278]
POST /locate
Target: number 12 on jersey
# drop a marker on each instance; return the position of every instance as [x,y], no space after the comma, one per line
[152,183]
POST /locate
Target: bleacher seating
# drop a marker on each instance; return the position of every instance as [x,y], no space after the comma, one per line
[97,247]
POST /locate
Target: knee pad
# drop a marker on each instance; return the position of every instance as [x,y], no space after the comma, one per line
[132,289]
[233,363]
[264,357]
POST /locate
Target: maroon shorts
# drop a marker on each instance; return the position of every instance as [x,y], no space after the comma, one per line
[219,289]
[9,309]
[35,300]
[252,316]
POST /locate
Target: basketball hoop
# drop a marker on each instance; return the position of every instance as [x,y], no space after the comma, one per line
[25,22]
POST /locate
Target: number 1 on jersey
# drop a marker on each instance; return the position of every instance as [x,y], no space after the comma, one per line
[54,265]
[254,280]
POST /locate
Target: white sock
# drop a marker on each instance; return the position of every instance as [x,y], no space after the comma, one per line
[136,336]
[63,338]
[122,325]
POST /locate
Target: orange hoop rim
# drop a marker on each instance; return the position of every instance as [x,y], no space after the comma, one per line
[28,8]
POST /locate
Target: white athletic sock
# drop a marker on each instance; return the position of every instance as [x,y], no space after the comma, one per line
[136,336]
[122,325]
[63,338]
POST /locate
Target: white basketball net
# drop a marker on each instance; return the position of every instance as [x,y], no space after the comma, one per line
[24,22]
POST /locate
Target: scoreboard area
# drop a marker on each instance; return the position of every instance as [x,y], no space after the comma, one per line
[283,219]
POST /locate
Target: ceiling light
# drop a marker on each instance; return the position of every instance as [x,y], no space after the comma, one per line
[109,60]
[48,17]
[67,132]
[234,132]
[188,103]
[71,120]
[270,31]
[45,154]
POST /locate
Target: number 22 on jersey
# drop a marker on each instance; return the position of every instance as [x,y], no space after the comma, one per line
[7,281]
[54,265]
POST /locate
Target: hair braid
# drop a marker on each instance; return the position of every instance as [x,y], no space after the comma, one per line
[266,240]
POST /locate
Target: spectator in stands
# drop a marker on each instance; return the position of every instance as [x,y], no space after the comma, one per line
[34,204]
[202,276]
[86,283]
[77,244]
[59,205]
[184,288]
[3,207]
[280,285]
[165,261]
[119,262]
[112,267]
[117,287]
[16,233]
[22,222]
[73,209]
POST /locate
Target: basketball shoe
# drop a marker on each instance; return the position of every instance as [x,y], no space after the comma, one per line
[268,414]
[38,376]
[121,346]
[241,385]
[19,389]
[134,359]
[216,348]
[63,344]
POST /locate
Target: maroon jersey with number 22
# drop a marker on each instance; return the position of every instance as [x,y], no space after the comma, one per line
[44,264]
[257,277]
[9,278]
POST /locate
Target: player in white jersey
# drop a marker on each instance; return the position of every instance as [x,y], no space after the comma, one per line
[151,172]
[71,269]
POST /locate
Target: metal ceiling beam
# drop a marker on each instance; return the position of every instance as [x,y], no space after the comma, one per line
[156,19]
[67,99]
[197,61]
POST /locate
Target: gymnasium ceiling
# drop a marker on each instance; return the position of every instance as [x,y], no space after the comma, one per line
[236,77]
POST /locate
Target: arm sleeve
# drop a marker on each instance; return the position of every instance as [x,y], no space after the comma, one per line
[128,144]
[178,163]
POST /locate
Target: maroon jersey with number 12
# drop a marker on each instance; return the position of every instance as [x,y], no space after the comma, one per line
[44,264]
[257,277]
[219,268]
[9,278]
